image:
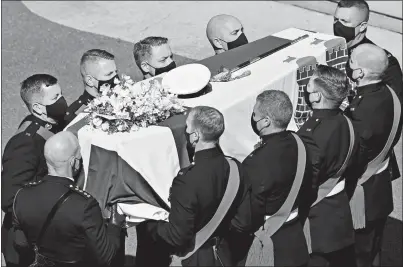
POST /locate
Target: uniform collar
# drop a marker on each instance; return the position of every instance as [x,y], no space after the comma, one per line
[363,41]
[207,153]
[369,88]
[59,179]
[274,136]
[86,97]
[324,113]
[54,128]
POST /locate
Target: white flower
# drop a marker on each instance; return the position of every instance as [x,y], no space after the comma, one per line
[143,124]
[124,93]
[97,121]
[104,99]
[117,89]
[127,101]
[105,126]
[97,102]
[134,128]
[122,127]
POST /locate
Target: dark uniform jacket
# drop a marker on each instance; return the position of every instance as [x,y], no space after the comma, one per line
[77,232]
[392,75]
[271,169]
[393,78]
[23,161]
[330,220]
[371,112]
[77,107]
[195,196]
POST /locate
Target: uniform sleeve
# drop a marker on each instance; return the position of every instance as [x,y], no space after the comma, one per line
[242,221]
[314,169]
[180,228]
[20,163]
[357,165]
[103,241]
[257,197]
[393,76]
[20,240]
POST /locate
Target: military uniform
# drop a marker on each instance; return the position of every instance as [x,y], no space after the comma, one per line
[271,169]
[77,234]
[371,112]
[195,195]
[77,107]
[394,78]
[23,161]
[331,226]
[392,75]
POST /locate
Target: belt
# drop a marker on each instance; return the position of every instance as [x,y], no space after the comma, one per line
[292,216]
[337,189]
[384,165]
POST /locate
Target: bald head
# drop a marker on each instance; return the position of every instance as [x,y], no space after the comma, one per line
[223,29]
[61,148]
[371,58]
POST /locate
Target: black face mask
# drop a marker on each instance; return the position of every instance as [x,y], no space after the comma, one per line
[111,82]
[241,40]
[306,98]
[57,110]
[254,123]
[77,171]
[349,72]
[167,68]
[347,33]
[189,147]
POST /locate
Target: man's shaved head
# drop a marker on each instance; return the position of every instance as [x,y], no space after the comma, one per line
[225,28]
[60,148]
[371,58]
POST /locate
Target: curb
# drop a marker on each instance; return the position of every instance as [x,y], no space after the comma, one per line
[376,19]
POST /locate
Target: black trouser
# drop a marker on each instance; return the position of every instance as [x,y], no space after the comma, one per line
[150,253]
[368,243]
[344,257]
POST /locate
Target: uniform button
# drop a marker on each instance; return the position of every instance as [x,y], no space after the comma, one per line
[67,113]
[71,186]
[317,119]
[360,96]
[79,101]
[352,109]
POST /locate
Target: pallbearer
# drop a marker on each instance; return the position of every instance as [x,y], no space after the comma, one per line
[281,177]
[153,56]
[211,191]
[331,233]
[225,32]
[98,70]
[351,22]
[375,113]
[23,160]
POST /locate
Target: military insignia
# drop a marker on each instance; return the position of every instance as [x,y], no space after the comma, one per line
[316,41]
[30,184]
[289,59]
[79,191]
[170,193]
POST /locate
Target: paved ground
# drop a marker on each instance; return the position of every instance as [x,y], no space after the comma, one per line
[54,41]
